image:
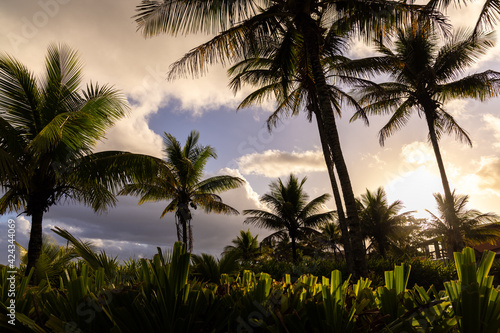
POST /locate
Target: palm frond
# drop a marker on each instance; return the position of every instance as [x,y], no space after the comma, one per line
[397,121]
[219,184]
[488,16]
[449,125]
[263,219]
[192,16]
[478,86]
[19,96]
[459,53]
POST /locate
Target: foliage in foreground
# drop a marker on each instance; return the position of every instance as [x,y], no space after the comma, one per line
[163,299]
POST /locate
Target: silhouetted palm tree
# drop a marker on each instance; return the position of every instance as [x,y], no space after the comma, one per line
[380,221]
[471,223]
[49,129]
[207,268]
[330,237]
[246,246]
[426,75]
[280,70]
[291,215]
[180,180]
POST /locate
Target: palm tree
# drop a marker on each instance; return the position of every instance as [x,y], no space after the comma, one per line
[240,24]
[291,215]
[425,77]
[246,246]
[280,70]
[207,268]
[180,180]
[471,223]
[331,237]
[48,132]
[380,221]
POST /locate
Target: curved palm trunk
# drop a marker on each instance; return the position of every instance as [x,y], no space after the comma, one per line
[35,243]
[456,244]
[346,243]
[309,31]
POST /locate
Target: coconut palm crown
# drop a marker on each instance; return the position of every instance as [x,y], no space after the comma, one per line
[290,212]
[380,221]
[245,245]
[475,227]
[180,181]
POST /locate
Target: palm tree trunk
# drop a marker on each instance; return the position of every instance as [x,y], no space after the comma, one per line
[35,243]
[346,243]
[184,216]
[294,250]
[457,241]
[381,248]
[311,40]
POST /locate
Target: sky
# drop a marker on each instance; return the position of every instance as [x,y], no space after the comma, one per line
[106,37]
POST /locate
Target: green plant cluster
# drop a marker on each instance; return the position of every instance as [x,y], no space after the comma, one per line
[425,272]
[160,297]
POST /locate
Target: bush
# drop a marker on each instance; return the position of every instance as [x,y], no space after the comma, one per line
[424,272]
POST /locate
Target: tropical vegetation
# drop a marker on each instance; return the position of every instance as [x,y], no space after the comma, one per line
[381,221]
[364,267]
[161,295]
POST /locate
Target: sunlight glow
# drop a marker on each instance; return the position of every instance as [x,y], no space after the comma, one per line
[415,189]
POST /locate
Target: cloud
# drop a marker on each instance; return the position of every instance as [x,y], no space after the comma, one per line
[130,230]
[459,108]
[493,124]
[489,174]
[276,163]
[104,33]
[417,153]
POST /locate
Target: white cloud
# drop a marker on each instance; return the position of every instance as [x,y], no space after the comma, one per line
[493,123]
[115,53]
[276,163]
[458,108]
[375,160]
[244,194]
[488,174]
[417,153]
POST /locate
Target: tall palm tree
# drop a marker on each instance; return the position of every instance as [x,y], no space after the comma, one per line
[246,246]
[471,223]
[49,129]
[180,180]
[380,220]
[291,215]
[280,70]
[425,76]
